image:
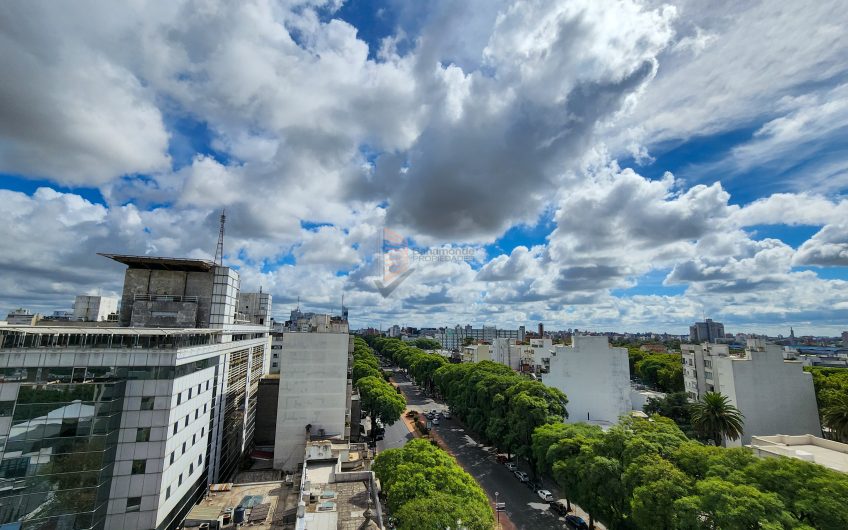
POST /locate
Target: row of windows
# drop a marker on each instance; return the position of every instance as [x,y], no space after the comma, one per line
[196,416]
[101,373]
[180,478]
[190,392]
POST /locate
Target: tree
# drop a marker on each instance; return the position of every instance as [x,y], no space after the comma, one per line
[716,418]
[363,369]
[720,504]
[654,485]
[835,416]
[427,344]
[675,406]
[381,400]
[426,488]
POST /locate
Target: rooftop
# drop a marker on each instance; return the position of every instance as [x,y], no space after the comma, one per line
[265,498]
[807,447]
[162,264]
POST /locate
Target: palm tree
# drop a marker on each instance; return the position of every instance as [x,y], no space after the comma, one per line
[835,416]
[715,417]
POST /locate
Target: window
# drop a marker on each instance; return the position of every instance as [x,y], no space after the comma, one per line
[147,403]
[168,492]
[202,431]
[133,504]
[180,480]
[708,375]
[179,398]
[176,423]
[193,439]
[273,365]
[190,469]
[207,385]
[142,434]
[199,459]
[189,393]
[196,413]
[184,447]
[138,467]
[204,408]
[172,457]
[186,420]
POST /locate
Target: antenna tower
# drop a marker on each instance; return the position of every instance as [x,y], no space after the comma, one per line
[219,251]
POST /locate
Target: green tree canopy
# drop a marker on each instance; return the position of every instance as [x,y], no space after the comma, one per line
[716,418]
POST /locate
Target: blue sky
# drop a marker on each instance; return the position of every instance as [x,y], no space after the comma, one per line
[670,163]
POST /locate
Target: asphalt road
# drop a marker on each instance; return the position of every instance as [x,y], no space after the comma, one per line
[524,507]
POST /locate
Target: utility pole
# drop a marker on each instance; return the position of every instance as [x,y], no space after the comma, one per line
[219,250]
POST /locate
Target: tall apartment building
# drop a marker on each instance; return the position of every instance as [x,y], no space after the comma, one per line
[94,308]
[315,389]
[305,323]
[125,426]
[775,395]
[453,338]
[594,376]
[706,331]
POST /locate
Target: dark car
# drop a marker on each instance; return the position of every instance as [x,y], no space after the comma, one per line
[559,507]
[575,522]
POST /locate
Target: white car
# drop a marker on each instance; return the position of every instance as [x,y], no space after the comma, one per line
[522,476]
[447,414]
[435,421]
[545,495]
[511,466]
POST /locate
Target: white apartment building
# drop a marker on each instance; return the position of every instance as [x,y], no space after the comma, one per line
[314,393]
[504,351]
[774,395]
[542,349]
[125,426]
[94,308]
[594,377]
[305,323]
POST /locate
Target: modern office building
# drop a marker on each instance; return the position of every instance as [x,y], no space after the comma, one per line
[594,376]
[125,426]
[314,394]
[94,308]
[455,338]
[706,331]
[775,395]
[22,317]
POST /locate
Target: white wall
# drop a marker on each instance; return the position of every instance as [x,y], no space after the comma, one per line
[313,390]
[594,377]
[776,396]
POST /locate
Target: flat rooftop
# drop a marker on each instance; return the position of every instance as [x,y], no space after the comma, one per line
[162,263]
[828,453]
[266,498]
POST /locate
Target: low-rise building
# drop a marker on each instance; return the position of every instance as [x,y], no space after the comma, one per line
[22,317]
[594,377]
[476,353]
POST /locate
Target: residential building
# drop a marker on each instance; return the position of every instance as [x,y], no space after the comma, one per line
[314,394]
[542,349]
[306,323]
[124,426]
[806,447]
[94,308]
[706,331]
[845,339]
[504,352]
[476,353]
[454,338]
[775,395]
[22,317]
[594,376]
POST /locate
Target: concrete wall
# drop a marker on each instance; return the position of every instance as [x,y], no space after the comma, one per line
[776,396]
[595,377]
[313,391]
[156,282]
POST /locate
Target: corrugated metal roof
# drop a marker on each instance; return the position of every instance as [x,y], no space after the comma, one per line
[162,263]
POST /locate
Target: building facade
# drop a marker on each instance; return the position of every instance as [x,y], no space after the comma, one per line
[775,395]
[125,426]
[314,394]
[594,377]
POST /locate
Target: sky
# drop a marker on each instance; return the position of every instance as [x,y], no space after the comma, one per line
[628,165]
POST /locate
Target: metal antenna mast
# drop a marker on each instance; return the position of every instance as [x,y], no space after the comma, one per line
[219,251]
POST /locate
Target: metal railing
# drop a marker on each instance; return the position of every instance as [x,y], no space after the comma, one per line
[165,298]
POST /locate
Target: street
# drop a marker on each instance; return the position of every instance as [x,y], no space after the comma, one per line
[523,507]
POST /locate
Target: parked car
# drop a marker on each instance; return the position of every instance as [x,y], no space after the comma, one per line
[533,486]
[560,507]
[511,466]
[502,458]
[545,495]
[575,523]
[522,476]
[435,421]
[447,414]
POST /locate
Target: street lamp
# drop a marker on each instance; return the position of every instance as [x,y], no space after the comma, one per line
[498,508]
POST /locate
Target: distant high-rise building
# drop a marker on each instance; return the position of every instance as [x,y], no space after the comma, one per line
[707,331]
[845,339]
[541,330]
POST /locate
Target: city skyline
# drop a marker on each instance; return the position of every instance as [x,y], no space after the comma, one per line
[626,167]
